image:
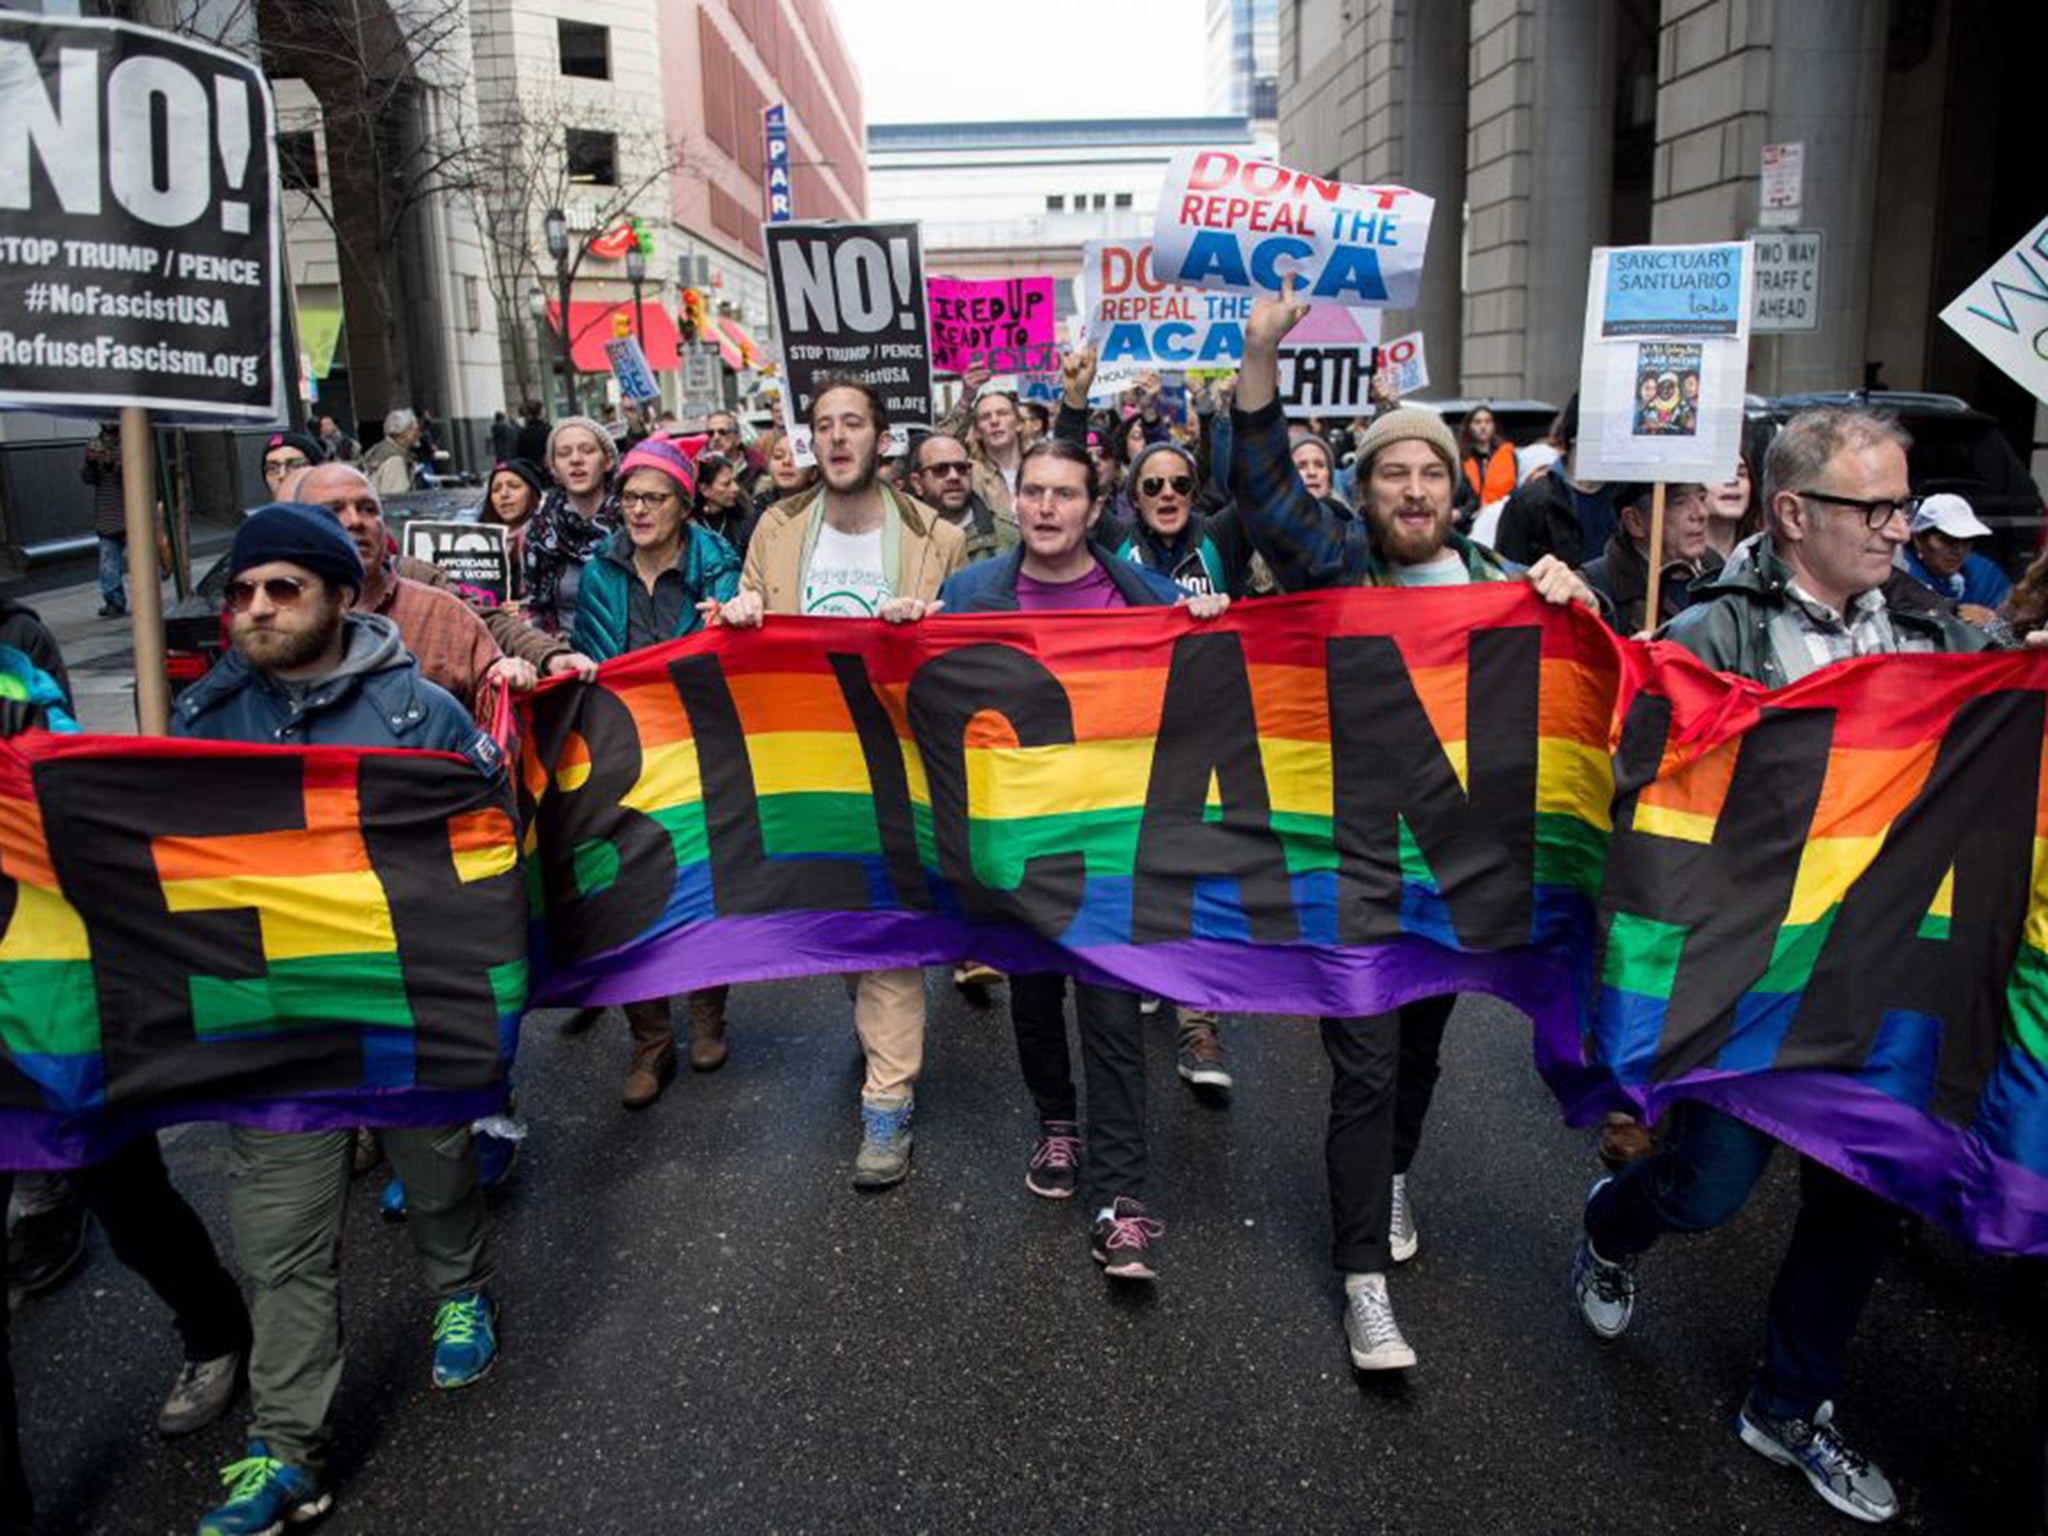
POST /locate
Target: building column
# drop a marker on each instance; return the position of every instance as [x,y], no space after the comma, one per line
[1735,76]
[1538,174]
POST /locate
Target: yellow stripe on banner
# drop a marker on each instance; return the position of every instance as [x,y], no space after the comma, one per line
[1663,821]
[1945,898]
[1007,783]
[1573,779]
[473,864]
[1827,868]
[808,762]
[303,916]
[44,927]
[669,776]
[2036,931]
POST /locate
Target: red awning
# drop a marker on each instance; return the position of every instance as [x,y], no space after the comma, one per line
[590,327]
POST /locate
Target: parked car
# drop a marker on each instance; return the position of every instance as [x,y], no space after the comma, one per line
[1956,447]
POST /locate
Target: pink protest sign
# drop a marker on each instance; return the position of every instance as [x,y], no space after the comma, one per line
[1002,324]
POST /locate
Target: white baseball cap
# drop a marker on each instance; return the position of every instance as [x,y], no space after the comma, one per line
[1948,513]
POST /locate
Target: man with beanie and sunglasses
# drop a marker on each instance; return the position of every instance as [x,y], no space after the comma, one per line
[303,670]
[1384,1067]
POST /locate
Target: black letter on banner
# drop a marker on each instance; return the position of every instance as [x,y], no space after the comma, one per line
[581,925]
[451,933]
[100,815]
[743,878]
[1388,767]
[882,750]
[1975,815]
[1207,725]
[946,693]
[1730,895]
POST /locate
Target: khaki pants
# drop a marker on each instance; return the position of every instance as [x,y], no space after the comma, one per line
[888,1015]
[287,1194]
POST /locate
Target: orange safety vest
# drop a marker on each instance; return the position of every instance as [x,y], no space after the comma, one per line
[1497,483]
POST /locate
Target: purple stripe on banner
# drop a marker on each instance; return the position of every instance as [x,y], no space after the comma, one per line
[29,1139]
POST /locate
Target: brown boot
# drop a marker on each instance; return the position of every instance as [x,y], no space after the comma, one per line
[707,1028]
[654,1052]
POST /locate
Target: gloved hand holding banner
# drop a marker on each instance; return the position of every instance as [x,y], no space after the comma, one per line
[1230,221]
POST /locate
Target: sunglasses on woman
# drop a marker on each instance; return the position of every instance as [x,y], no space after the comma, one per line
[1152,485]
[282,591]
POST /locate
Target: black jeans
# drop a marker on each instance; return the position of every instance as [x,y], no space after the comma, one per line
[17,1508]
[1112,1054]
[1702,1176]
[1383,1073]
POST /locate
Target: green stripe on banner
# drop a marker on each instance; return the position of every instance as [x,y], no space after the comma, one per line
[508,986]
[1793,955]
[1642,955]
[2026,997]
[1570,853]
[597,866]
[293,990]
[686,836]
[819,824]
[49,1007]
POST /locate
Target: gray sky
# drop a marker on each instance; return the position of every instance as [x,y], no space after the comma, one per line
[922,61]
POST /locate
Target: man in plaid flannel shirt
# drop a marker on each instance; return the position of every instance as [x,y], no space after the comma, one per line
[1383,1067]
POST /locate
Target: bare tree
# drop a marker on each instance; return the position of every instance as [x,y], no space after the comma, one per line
[523,170]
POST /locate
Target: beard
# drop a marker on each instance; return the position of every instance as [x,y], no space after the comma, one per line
[273,650]
[1403,545]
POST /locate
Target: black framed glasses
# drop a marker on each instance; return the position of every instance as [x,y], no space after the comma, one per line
[1152,485]
[282,591]
[653,501]
[272,468]
[1876,514]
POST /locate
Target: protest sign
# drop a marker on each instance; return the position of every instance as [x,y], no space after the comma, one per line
[1326,381]
[629,367]
[1665,362]
[2004,314]
[138,194]
[1233,221]
[1404,367]
[1787,280]
[475,557]
[1138,322]
[1002,324]
[701,392]
[1695,891]
[850,298]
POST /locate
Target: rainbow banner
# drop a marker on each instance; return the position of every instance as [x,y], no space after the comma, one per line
[1822,910]
[295,939]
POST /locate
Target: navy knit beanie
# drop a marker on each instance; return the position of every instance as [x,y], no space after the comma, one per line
[302,535]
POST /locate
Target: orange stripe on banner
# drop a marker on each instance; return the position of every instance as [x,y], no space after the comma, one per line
[474,830]
[24,846]
[1865,791]
[1695,783]
[331,842]
[789,701]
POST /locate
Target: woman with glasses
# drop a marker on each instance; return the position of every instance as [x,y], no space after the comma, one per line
[643,588]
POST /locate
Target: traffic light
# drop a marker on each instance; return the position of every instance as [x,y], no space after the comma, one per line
[643,237]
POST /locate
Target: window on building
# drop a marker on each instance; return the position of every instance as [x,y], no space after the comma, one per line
[1055,202]
[586,50]
[1101,201]
[1123,199]
[473,302]
[298,161]
[593,157]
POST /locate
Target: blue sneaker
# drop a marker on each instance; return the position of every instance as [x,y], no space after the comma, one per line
[264,1496]
[495,1156]
[465,1340]
[391,1204]
[1844,1477]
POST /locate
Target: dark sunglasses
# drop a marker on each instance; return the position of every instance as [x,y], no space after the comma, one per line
[282,591]
[950,467]
[1152,485]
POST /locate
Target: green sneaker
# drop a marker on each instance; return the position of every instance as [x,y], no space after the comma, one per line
[465,1340]
[264,1496]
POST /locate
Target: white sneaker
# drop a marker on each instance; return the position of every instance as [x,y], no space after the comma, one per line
[1402,1237]
[1370,1329]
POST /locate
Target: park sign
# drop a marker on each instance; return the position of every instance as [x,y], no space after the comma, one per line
[2004,314]
[1233,221]
[139,249]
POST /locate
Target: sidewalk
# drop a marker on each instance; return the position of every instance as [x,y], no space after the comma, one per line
[100,652]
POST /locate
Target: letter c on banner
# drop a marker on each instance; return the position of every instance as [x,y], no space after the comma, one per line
[1267,254]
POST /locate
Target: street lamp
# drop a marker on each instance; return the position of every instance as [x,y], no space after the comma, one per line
[636,274]
[556,226]
[537,306]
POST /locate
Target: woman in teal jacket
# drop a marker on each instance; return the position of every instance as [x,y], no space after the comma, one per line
[642,588]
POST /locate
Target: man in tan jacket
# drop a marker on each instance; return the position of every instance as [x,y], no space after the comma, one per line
[855,548]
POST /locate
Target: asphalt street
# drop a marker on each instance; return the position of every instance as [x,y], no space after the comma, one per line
[706,1327]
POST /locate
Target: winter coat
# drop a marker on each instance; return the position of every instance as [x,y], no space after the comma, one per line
[990,586]
[708,566]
